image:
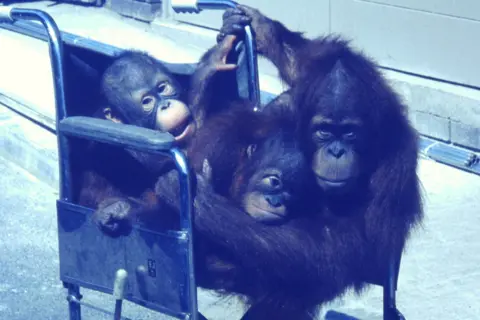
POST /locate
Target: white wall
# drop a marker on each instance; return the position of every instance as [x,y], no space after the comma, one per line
[436,38]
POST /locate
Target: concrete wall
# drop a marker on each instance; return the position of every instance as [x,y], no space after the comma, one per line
[429,37]
[431,40]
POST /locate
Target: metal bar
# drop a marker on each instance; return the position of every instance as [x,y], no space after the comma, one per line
[195,6]
[117,134]
[36,31]
[56,56]
[390,311]
[250,45]
[23,110]
[73,299]
[216,4]
[119,291]
[186,221]
[254,85]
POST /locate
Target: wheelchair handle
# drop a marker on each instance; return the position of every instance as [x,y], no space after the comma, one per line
[6,13]
[195,6]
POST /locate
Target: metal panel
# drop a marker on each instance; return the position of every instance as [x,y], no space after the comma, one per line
[156,262]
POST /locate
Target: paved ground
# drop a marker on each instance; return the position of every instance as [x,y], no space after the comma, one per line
[439,277]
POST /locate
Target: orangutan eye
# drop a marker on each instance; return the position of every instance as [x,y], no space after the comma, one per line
[322,134]
[350,135]
[272,181]
[148,102]
[323,131]
[166,89]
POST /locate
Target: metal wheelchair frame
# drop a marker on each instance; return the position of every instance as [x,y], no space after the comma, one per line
[102,131]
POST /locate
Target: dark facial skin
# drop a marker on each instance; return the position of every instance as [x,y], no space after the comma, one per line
[267,199]
[332,127]
[142,92]
[334,132]
[271,180]
[335,161]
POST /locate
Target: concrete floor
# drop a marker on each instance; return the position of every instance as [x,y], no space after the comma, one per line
[439,277]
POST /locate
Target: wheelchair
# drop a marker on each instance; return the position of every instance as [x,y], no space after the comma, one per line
[151,269]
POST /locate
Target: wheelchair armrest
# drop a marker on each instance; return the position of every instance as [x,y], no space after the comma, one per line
[118,134]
